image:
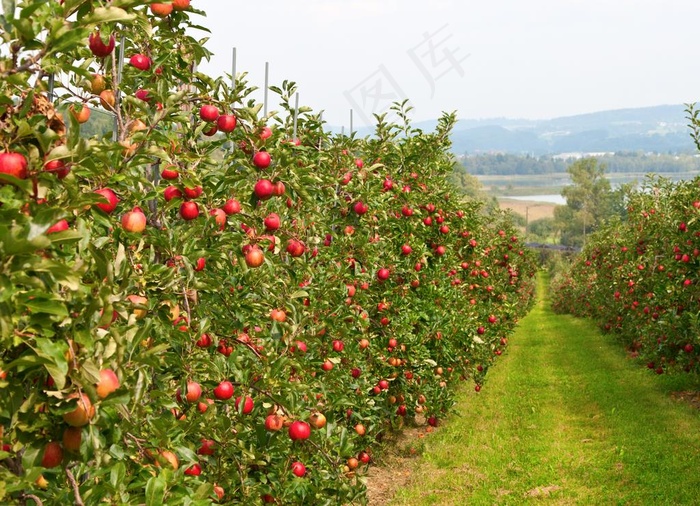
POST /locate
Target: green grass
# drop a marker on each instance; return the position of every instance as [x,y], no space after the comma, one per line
[564,418]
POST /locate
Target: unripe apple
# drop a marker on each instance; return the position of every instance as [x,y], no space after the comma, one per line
[97,84]
[108,100]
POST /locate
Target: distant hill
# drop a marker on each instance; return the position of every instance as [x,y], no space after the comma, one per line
[660,129]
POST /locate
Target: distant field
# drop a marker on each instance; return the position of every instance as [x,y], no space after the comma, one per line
[530,209]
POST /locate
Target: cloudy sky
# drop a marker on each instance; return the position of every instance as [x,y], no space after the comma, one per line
[502,58]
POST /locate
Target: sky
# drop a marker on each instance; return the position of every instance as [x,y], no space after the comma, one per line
[483,59]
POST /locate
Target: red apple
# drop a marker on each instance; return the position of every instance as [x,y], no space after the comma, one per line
[140,61]
[247,406]
[262,159]
[194,470]
[298,469]
[406,249]
[189,210]
[72,437]
[161,9]
[226,123]
[209,113]
[224,390]
[219,217]
[254,257]
[201,263]
[170,172]
[59,226]
[82,115]
[82,414]
[143,95]
[207,447]
[172,192]
[299,430]
[58,167]
[295,248]
[263,189]
[53,455]
[97,45]
[181,5]
[272,222]
[360,208]
[112,200]
[13,164]
[193,193]
[383,274]
[232,206]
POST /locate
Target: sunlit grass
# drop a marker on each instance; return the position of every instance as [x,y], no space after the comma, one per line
[564,418]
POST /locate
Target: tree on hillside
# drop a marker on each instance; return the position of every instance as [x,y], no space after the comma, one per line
[588,201]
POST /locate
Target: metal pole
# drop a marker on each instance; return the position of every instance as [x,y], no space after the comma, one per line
[51,86]
[296,115]
[350,122]
[267,76]
[117,95]
[233,70]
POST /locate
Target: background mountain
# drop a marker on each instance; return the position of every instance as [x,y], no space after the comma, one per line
[659,129]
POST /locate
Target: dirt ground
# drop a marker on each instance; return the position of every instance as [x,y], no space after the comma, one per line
[534,210]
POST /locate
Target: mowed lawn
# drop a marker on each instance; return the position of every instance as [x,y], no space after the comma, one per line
[565,417]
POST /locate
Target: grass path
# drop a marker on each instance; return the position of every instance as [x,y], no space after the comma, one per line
[564,418]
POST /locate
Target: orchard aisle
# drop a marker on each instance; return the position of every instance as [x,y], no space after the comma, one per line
[564,418]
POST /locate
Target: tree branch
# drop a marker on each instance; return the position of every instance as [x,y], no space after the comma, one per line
[76,489]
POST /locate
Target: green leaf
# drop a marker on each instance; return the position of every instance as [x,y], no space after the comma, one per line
[108,15]
[8,7]
[155,491]
[117,473]
[48,306]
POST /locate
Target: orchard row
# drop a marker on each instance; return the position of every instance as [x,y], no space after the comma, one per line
[207,307]
[640,279]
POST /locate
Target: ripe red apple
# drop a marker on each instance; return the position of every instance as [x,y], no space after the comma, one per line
[13,164]
[272,222]
[204,341]
[181,5]
[82,414]
[98,47]
[194,470]
[432,421]
[278,315]
[108,383]
[360,429]
[360,208]
[194,392]
[356,372]
[209,113]
[172,192]
[338,345]
[219,217]
[112,200]
[140,61]
[189,210]
[254,257]
[298,469]
[201,263]
[383,274]
[207,447]
[262,159]
[226,123]
[170,172]
[247,404]
[480,330]
[58,167]
[300,346]
[265,133]
[53,455]
[295,248]
[161,9]
[59,226]
[263,189]
[224,390]
[327,365]
[72,437]
[193,193]
[278,190]
[299,430]
[231,206]
[364,457]
[406,249]
[274,422]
